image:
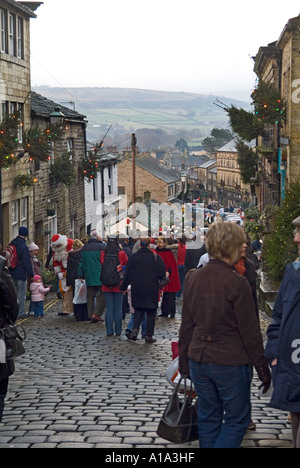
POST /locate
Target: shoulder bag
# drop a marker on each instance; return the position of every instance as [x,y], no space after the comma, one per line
[14,342]
[179,422]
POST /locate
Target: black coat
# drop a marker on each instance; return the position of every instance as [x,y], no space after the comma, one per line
[72,269]
[8,310]
[143,272]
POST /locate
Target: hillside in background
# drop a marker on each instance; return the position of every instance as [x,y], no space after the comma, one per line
[157,117]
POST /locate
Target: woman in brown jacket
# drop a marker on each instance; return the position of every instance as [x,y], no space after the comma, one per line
[219,339]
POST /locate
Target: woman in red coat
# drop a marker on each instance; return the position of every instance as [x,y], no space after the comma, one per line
[168,306]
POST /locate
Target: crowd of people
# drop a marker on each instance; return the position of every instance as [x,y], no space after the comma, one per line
[220,340]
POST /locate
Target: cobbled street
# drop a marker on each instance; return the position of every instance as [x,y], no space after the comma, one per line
[77,388]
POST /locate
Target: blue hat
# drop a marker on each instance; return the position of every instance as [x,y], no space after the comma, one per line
[23,231]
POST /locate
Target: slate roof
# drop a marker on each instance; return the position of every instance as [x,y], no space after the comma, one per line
[209,163]
[231,146]
[156,168]
[41,106]
[22,7]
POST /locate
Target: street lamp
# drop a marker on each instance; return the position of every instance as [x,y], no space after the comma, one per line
[183,180]
[56,116]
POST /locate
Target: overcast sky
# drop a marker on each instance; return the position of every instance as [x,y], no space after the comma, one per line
[171,45]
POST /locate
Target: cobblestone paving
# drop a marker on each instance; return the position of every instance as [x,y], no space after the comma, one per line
[77,388]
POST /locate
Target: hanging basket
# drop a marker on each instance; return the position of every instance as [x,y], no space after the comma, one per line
[50,212]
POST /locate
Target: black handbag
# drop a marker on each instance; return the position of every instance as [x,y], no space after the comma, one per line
[14,342]
[179,422]
[163,281]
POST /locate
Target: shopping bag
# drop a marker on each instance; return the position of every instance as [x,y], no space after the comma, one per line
[179,421]
[80,292]
[174,377]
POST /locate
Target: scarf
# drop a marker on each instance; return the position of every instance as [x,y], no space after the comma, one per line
[240,267]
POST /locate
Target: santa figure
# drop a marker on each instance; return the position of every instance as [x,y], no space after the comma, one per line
[61,247]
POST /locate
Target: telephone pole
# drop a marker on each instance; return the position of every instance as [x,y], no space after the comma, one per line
[133,146]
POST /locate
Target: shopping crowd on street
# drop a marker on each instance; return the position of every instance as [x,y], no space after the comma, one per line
[220,340]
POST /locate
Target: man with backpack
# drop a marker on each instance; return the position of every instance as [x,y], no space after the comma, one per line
[20,266]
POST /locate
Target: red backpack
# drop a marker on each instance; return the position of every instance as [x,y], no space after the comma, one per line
[11,256]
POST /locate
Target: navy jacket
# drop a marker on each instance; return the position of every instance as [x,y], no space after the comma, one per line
[284,344]
[24,267]
[8,311]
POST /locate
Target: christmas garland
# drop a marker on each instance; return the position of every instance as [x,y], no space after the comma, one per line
[37,143]
[90,165]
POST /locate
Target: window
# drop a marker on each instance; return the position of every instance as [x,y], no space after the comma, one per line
[72,231]
[52,228]
[95,189]
[15,218]
[24,212]
[19,215]
[11,34]
[11,108]
[70,144]
[3,31]
[20,38]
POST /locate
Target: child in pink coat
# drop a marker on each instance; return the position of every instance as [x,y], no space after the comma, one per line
[38,293]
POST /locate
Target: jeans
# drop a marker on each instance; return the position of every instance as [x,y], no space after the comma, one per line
[113,315]
[21,289]
[224,403]
[38,308]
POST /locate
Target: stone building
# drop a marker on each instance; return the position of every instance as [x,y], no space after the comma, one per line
[231,189]
[154,180]
[16,207]
[67,203]
[279,63]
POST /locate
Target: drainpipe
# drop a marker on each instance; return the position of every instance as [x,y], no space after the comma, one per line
[282,172]
[1,211]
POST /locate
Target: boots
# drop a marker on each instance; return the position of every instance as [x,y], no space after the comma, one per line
[150,339]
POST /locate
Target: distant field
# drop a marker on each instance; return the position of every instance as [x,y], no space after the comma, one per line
[130,110]
[165,119]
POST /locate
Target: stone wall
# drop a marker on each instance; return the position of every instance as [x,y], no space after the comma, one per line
[144,182]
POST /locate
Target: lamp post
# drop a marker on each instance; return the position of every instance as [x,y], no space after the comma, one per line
[56,116]
[1,210]
[184,186]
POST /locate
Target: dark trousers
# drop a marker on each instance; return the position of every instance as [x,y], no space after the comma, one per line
[138,317]
[95,301]
[3,393]
[168,306]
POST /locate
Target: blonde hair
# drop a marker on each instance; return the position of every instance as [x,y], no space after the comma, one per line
[163,239]
[77,244]
[223,241]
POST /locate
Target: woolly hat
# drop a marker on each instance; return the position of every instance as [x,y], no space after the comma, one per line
[23,231]
[296,222]
[33,247]
[36,278]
